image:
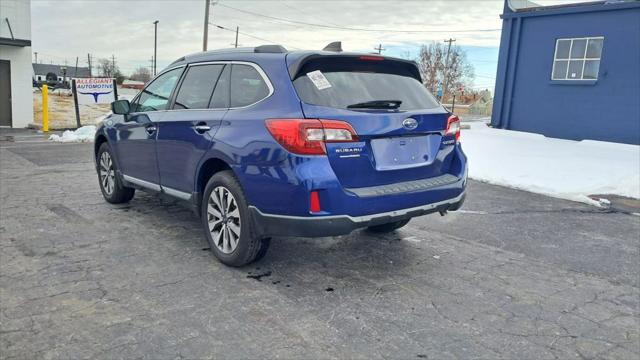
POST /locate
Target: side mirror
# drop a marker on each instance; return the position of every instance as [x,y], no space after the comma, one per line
[121,107]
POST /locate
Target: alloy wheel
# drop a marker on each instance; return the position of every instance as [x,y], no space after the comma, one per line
[223,217]
[107,175]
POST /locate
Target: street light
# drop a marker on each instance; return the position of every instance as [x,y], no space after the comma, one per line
[155,46]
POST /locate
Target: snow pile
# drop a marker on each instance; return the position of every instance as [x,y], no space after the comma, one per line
[560,168]
[61,92]
[83,134]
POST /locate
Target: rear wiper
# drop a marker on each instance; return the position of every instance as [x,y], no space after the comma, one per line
[376,104]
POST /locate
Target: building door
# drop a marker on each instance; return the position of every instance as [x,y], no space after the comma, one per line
[5,93]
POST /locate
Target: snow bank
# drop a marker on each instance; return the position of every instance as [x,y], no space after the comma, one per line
[83,134]
[62,92]
[560,168]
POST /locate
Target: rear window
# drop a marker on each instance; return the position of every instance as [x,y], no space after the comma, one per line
[247,86]
[338,82]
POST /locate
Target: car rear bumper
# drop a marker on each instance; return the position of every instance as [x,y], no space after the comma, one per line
[333,225]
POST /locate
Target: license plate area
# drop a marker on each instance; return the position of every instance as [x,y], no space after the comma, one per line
[401,152]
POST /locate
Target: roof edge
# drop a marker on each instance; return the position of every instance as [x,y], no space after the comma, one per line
[571,9]
[15,42]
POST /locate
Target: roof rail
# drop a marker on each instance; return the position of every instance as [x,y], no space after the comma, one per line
[335,46]
[276,49]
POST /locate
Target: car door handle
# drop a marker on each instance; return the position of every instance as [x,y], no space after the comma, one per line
[150,129]
[202,128]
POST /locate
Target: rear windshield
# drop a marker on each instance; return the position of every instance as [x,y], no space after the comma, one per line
[339,82]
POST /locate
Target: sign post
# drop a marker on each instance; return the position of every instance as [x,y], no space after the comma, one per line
[93,91]
[45,108]
[75,101]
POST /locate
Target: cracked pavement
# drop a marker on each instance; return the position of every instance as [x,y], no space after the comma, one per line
[514,275]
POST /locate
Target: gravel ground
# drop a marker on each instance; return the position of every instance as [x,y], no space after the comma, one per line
[514,275]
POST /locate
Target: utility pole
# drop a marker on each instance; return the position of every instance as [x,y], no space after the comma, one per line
[205,36]
[446,69]
[379,48]
[155,47]
[151,66]
[237,29]
[36,54]
[113,66]
[89,63]
[76,72]
[64,72]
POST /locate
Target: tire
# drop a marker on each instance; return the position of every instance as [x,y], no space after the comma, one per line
[389,227]
[225,212]
[111,186]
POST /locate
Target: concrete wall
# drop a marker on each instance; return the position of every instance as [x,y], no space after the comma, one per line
[21,86]
[19,14]
[528,100]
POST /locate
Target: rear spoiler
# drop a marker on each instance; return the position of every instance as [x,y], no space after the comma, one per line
[295,67]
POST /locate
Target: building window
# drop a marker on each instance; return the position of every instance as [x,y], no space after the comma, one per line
[577,58]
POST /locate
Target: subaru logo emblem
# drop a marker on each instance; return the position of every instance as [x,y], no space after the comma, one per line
[410,123]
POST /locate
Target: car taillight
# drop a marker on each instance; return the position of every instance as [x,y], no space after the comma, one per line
[453,127]
[308,136]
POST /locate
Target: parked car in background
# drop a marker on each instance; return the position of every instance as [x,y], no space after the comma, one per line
[265,142]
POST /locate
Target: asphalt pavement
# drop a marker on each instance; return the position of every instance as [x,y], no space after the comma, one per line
[513,275]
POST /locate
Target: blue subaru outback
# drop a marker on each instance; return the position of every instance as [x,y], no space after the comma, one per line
[265,142]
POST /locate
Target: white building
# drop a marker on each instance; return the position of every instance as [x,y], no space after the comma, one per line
[16,96]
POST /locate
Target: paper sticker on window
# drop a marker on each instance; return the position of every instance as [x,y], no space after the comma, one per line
[319,80]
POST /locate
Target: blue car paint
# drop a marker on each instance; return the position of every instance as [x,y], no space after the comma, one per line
[182,148]
[135,148]
[274,180]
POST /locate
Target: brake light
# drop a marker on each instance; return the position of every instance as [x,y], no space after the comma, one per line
[371,57]
[453,127]
[314,202]
[308,136]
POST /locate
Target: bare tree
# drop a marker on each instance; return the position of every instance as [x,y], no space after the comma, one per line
[108,68]
[433,68]
[141,74]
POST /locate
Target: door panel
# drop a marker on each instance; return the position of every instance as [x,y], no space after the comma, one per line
[186,133]
[136,146]
[137,136]
[5,93]
[182,141]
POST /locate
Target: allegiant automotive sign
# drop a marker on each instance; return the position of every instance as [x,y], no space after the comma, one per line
[95,90]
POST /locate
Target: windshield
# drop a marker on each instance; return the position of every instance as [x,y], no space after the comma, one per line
[365,84]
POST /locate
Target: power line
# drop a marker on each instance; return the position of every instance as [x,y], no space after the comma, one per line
[249,35]
[306,13]
[350,28]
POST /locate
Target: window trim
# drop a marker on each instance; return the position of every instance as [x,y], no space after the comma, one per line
[262,74]
[584,58]
[259,69]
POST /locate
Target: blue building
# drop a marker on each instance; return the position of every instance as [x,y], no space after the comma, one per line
[570,71]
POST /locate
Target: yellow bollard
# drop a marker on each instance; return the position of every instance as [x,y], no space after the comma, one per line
[45,108]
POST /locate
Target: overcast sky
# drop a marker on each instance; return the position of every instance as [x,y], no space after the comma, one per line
[62,30]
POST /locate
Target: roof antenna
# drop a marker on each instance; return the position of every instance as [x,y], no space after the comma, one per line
[335,46]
